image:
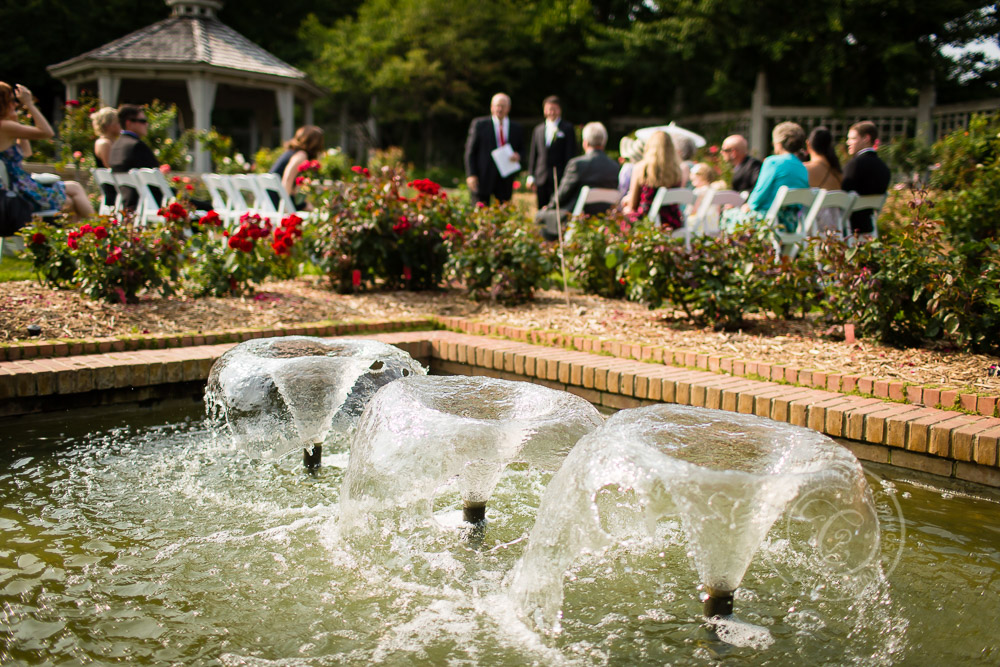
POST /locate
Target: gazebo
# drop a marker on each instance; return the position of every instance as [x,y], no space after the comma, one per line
[195,61]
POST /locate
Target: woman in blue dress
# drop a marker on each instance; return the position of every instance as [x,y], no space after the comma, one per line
[15,145]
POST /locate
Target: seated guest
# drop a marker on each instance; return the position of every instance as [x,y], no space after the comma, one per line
[782,168]
[629,154]
[107,129]
[865,174]
[685,153]
[15,145]
[305,145]
[594,169]
[660,168]
[746,168]
[823,168]
[129,151]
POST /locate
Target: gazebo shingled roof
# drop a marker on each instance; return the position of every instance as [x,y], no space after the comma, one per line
[194,46]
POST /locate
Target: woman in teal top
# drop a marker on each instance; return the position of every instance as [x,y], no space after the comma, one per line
[782,168]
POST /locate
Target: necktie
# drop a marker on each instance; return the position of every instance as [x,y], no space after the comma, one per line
[500,126]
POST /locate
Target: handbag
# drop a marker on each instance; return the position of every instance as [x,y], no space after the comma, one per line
[15,212]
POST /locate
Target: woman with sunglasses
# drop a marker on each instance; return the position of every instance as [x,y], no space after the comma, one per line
[15,145]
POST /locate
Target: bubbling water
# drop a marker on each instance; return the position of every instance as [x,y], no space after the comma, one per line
[726,477]
[273,396]
[418,433]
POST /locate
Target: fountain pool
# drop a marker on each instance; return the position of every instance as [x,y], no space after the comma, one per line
[134,537]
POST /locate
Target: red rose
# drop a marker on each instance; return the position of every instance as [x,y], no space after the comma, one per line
[72,243]
[189,187]
[101,232]
[86,229]
[176,179]
[234,242]
[38,238]
[178,211]
[407,274]
[356,277]
[72,103]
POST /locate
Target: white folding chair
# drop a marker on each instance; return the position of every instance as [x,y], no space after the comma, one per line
[222,199]
[589,195]
[130,180]
[667,196]
[829,211]
[246,183]
[788,242]
[706,219]
[873,203]
[104,179]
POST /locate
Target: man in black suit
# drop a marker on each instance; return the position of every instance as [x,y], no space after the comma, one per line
[865,174]
[485,135]
[746,168]
[594,168]
[129,151]
[553,143]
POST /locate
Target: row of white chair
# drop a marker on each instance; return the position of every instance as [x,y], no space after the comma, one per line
[146,182]
[812,200]
[230,201]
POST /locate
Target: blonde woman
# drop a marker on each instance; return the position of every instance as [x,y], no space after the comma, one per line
[107,129]
[660,168]
[15,145]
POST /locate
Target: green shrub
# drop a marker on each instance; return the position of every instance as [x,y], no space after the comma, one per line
[498,255]
[596,247]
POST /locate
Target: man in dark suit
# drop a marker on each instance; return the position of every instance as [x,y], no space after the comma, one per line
[865,174]
[553,143]
[594,168]
[485,135]
[129,151]
[746,168]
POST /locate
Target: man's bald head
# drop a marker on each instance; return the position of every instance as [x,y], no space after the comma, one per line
[734,149]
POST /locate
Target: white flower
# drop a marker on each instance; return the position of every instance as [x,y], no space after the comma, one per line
[240,159]
[227,160]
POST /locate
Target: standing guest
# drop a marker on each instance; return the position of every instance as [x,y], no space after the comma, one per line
[486,134]
[629,154]
[660,168]
[129,151]
[15,145]
[594,169]
[865,174]
[746,168]
[553,143]
[107,129]
[305,145]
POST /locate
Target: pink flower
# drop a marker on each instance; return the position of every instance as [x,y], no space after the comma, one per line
[72,103]
[713,149]
[165,168]
[517,185]
[77,155]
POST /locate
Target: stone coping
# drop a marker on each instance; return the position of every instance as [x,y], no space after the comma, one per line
[948,398]
[943,442]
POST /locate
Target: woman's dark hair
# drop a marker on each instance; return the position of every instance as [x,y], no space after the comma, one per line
[6,96]
[821,141]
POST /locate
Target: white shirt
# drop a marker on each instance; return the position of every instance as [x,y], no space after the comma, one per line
[505,123]
[551,130]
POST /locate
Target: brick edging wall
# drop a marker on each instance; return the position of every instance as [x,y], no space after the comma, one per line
[902,392]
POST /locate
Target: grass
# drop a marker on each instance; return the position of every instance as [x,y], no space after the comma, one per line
[15,268]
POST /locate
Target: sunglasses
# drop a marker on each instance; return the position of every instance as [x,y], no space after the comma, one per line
[141,120]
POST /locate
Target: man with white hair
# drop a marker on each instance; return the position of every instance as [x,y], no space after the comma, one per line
[594,168]
[746,168]
[486,134]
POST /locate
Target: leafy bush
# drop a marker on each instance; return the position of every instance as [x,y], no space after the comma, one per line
[374,234]
[224,263]
[596,247]
[111,259]
[498,255]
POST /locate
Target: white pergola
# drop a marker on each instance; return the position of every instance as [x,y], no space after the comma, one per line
[193,50]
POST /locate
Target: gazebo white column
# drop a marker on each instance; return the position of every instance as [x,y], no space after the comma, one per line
[72,91]
[286,112]
[202,93]
[108,86]
[307,113]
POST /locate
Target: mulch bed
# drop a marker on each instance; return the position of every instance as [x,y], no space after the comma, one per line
[65,314]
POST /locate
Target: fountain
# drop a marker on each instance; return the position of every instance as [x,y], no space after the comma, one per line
[148,540]
[272,396]
[726,477]
[419,432]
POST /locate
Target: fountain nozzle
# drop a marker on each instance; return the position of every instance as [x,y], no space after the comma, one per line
[312,457]
[474,513]
[718,602]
